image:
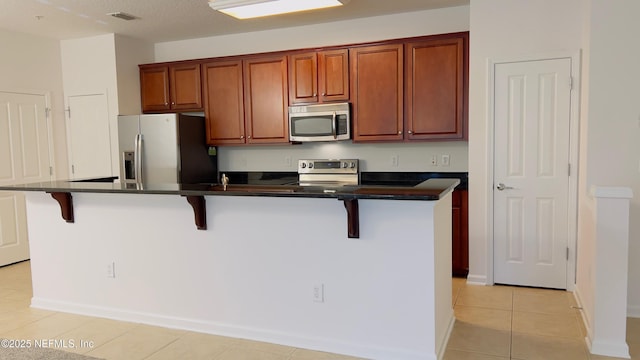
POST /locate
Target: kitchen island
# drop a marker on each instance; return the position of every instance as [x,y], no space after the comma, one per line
[273,263]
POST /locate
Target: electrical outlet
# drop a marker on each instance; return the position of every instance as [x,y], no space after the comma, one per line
[394,160]
[445,160]
[318,293]
[111,270]
[434,160]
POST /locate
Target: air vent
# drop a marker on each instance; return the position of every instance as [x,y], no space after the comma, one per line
[123,16]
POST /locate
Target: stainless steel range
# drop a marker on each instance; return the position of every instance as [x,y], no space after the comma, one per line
[328,172]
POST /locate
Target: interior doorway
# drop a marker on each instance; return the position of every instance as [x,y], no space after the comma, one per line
[24,158]
[532,187]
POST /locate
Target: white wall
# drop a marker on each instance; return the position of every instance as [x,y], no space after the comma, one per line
[609,115]
[89,67]
[129,54]
[337,33]
[374,157]
[499,30]
[32,64]
[610,142]
[106,64]
[413,157]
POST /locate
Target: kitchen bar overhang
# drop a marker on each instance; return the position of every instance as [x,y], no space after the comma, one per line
[428,190]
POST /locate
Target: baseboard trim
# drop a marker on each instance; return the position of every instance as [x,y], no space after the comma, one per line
[598,347]
[442,347]
[583,314]
[604,348]
[287,339]
[633,311]
[476,279]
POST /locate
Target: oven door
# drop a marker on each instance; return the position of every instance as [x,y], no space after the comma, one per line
[319,126]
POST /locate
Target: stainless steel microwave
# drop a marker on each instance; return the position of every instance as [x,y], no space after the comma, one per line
[323,122]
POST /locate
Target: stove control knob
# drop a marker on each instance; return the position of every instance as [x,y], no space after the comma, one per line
[310,165]
[352,165]
[344,165]
[303,165]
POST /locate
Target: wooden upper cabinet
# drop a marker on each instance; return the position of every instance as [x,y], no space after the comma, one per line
[223,102]
[186,89]
[175,87]
[303,78]
[154,88]
[435,88]
[377,92]
[316,77]
[333,77]
[412,89]
[265,99]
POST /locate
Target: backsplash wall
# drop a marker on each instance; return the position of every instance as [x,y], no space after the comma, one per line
[373,156]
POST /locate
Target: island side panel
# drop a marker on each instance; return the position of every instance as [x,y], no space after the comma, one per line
[444,317]
[251,274]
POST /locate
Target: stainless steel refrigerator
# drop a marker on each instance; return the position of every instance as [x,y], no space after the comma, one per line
[165,148]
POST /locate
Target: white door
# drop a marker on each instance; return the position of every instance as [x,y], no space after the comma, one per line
[24,158]
[531,172]
[89,136]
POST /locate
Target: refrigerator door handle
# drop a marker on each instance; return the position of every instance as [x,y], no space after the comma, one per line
[138,158]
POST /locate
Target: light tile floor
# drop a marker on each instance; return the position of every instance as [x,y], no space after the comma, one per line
[505,322]
[492,323]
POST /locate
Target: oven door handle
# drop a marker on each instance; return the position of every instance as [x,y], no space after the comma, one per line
[333,126]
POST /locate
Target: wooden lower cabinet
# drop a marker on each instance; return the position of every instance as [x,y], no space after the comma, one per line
[460,233]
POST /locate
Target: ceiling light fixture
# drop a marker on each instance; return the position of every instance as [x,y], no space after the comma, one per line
[245,9]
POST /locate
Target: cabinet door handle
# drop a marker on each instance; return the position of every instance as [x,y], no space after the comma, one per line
[399,132]
[241,137]
[323,94]
[249,137]
[410,132]
[314,94]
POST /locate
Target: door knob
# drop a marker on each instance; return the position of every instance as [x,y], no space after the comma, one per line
[502,186]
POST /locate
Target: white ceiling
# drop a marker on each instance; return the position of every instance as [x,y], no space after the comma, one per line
[169,20]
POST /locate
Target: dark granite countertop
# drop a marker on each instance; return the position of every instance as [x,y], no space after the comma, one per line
[431,189]
[366,178]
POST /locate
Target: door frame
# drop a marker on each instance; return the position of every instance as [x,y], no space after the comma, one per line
[574,119]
